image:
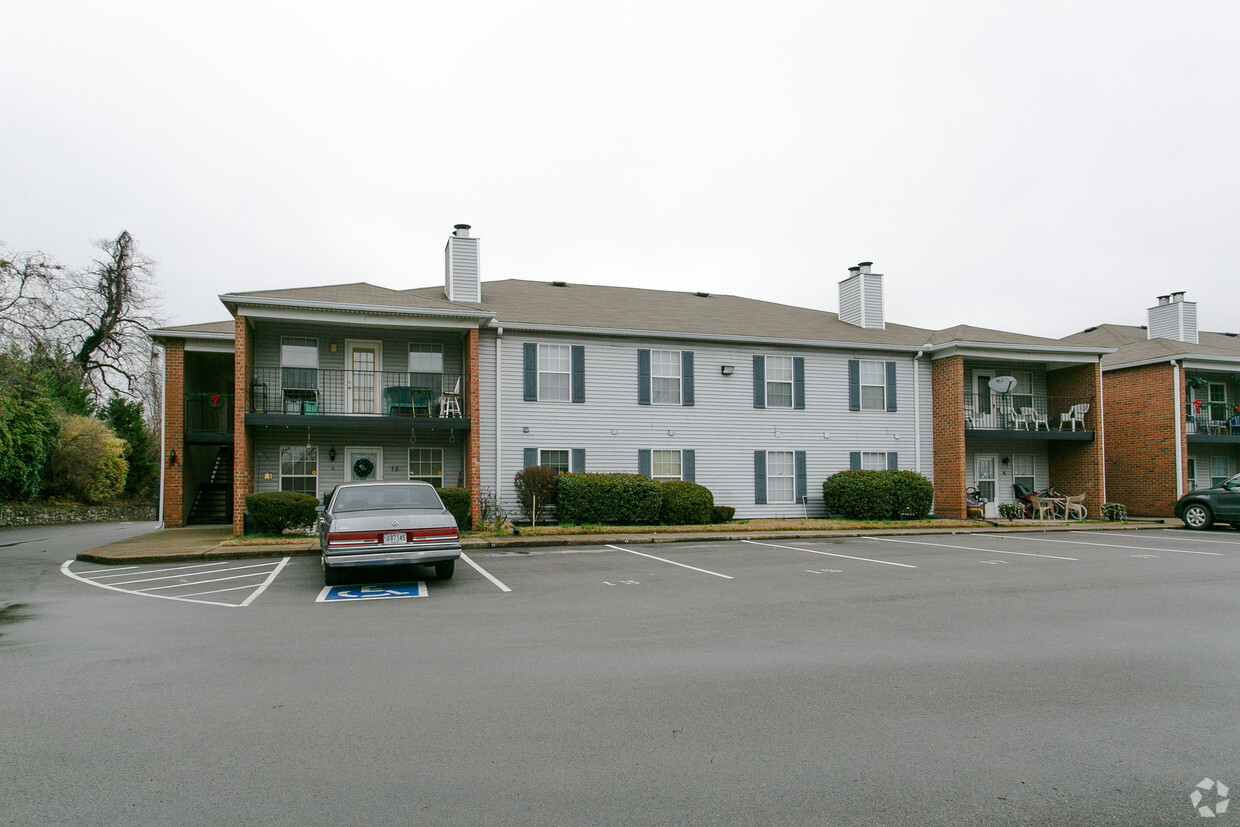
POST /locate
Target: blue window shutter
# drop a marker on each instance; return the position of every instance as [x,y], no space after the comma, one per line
[854,384]
[578,462]
[686,377]
[891,386]
[854,460]
[759,476]
[802,489]
[643,376]
[688,472]
[531,457]
[531,372]
[798,383]
[759,387]
[579,373]
[643,461]
[893,461]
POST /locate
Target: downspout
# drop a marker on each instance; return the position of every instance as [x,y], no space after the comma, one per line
[163,429]
[499,429]
[1179,458]
[1101,436]
[917,412]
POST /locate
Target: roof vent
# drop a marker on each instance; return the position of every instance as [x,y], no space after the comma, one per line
[702,295]
[559,284]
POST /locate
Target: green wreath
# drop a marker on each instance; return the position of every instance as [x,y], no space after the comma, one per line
[363,468]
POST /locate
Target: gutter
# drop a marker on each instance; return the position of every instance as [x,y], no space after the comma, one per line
[380,309]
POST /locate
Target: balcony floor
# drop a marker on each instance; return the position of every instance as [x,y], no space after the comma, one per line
[376,423]
[1020,434]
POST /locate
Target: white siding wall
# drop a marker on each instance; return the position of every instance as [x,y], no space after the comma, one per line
[722,427]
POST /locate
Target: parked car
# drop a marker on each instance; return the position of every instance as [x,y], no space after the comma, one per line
[377,525]
[1219,503]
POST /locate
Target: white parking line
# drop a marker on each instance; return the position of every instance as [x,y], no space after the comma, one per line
[486,574]
[1198,536]
[971,548]
[175,576]
[829,554]
[673,562]
[110,572]
[1103,545]
[276,568]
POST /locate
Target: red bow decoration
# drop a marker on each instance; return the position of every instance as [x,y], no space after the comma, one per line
[1197,404]
[215,400]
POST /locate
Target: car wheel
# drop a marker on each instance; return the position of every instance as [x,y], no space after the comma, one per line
[444,569]
[332,577]
[1197,516]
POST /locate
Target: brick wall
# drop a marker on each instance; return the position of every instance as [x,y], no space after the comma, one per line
[947,384]
[174,433]
[1078,467]
[473,452]
[243,452]
[1141,453]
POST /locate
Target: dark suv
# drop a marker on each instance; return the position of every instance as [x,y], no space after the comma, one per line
[1202,508]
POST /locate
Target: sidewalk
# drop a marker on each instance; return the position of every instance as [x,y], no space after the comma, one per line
[186,545]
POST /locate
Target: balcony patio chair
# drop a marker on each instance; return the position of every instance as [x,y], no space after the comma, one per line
[450,401]
[1074,508]
[1074,415]
[1036,419]
[1042,509]
[1014,420]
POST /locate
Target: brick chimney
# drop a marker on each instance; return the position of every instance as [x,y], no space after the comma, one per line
[861,297]
[461,282]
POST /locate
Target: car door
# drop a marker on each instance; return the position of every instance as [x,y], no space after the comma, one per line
[1227,501]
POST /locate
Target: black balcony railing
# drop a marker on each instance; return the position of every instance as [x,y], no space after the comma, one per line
[208,413]
[1027,412]
[1211,418]
[319,391]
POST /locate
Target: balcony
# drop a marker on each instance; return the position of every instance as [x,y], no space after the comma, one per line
[1210,422]
[321,396]
[209,417]
[1030,416]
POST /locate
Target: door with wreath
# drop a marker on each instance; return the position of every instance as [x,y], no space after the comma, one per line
[364,463]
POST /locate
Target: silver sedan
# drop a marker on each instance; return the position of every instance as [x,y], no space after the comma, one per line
[382,524]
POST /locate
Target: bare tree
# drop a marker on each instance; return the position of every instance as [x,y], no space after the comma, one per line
[26,290]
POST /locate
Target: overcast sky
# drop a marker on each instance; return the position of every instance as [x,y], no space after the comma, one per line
[1037,167]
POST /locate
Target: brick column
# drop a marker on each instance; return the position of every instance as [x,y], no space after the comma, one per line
[243,453]
[1141,453]
[947,394]
[174,433]
[1077,467]
[473,458]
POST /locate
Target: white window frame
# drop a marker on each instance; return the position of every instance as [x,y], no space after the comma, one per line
[431,353]
[313,474]
[1215,478]
[771,361]
[426,477]
[881,385]
[545,354]
[665,395]
[1192,474]
[299,355]
[568,457]
[667,454]
[868,459]
[790,478]
[1217,404]
[1017,459]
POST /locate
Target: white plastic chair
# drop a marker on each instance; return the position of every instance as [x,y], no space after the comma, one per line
[450,401]
[1074,415]
[1036,419]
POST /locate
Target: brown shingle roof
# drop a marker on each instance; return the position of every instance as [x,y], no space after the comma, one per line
[1133,344]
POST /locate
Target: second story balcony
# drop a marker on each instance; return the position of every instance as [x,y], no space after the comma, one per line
[1030,416]
[1212,422]
[209,417]
[427,399]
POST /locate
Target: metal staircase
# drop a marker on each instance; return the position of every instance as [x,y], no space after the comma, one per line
[213,500]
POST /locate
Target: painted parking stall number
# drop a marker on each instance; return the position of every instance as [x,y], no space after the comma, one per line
[390,591]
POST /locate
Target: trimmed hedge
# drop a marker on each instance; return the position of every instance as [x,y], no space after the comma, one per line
[686,503]
[608,499]
[723,514]
[878,495]
[456,500]
[276,511]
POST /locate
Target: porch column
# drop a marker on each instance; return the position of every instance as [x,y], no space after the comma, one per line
[1079,467]
[243,455]
[473,451]
[174,436]
[947,394]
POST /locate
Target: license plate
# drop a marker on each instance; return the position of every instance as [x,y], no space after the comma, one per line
[395,537]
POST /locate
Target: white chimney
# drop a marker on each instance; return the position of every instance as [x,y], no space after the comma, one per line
[861,297]
[1173,318]
[461,282]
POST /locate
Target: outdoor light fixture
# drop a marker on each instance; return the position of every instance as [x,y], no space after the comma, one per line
[172,458]
[1006,460]
[331,453]
[727,370]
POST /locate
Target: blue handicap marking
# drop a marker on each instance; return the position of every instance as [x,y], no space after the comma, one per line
[384,591]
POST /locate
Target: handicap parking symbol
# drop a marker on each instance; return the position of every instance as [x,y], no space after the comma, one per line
[385,591]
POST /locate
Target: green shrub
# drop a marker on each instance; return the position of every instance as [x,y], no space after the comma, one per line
[686,503]
[723,514]
[608,499]
[456,500]
[1115,512]
[878,495]
[536,490]
[276,511]
[1012,511]
[29,428]
[89,465]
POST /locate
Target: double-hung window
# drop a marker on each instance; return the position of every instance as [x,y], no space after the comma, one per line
[779,381]
[426,465]
[554,373]
[1218,470]
[665,367]
[780,477]
[873,460]
[873,385]
[557,458]
[299,469]
[299,374]
[665,465]
[1022,470]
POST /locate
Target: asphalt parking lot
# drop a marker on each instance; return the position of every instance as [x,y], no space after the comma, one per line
[1083,678]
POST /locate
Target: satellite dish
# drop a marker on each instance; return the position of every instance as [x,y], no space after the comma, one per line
[1002,384]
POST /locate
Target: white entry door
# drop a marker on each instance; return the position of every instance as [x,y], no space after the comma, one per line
[985,468]
[362,363]
[363,463]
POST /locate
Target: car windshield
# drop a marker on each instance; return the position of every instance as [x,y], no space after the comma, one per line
[382,497]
